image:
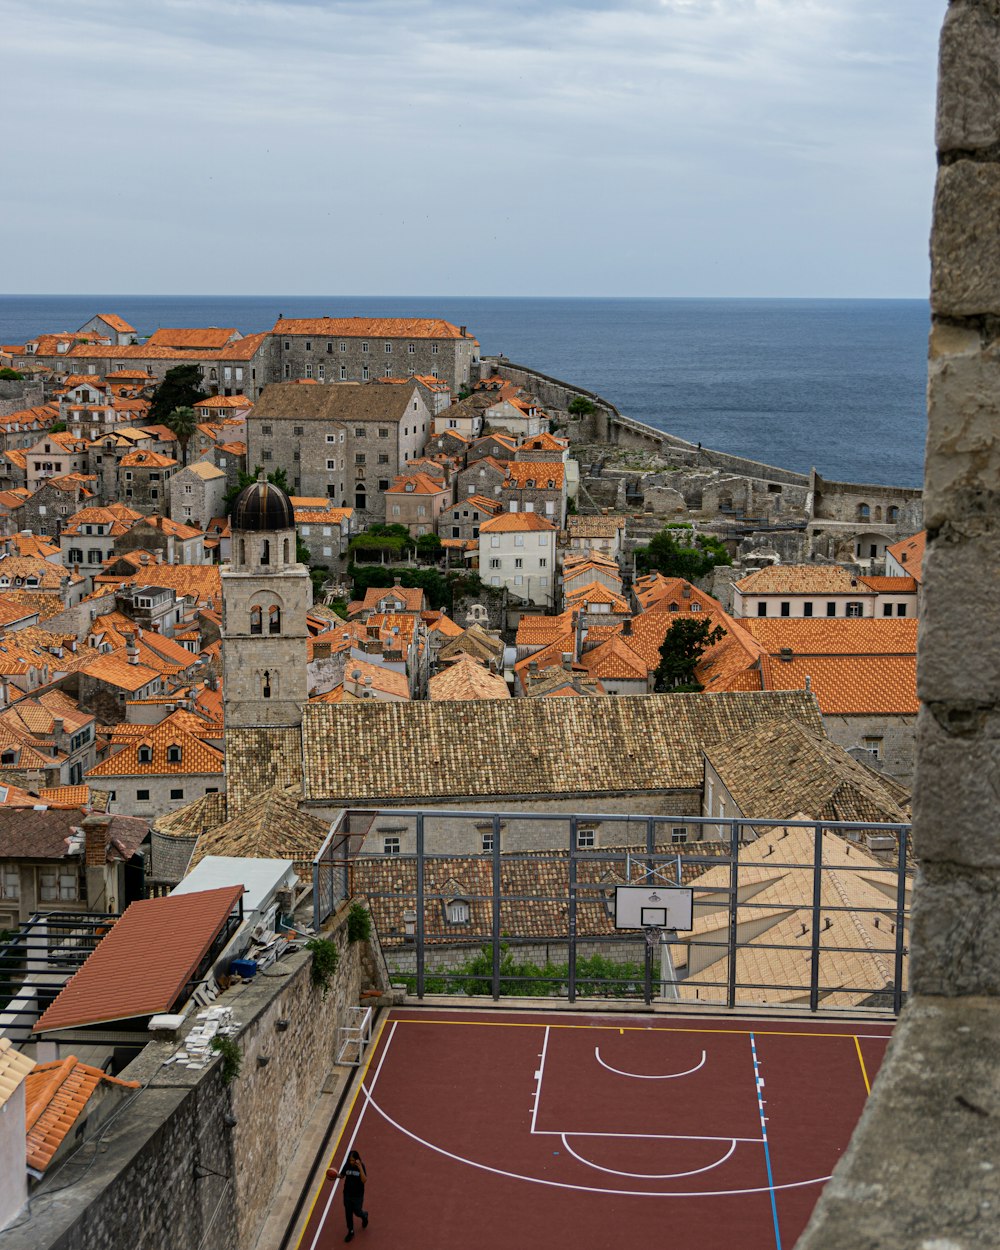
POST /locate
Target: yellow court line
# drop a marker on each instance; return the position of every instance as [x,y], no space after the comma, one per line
[861,1060]
[343,1128]
[634,1028]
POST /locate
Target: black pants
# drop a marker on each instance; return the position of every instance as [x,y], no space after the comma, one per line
[354,1205]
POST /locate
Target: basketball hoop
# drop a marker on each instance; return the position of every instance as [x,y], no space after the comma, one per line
[654,936]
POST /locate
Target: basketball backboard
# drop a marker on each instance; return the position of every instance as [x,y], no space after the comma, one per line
[645,906]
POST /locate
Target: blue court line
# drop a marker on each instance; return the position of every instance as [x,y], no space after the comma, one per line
[767,1148]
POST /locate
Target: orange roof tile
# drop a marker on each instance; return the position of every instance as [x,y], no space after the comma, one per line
[117,671]
[196,757]
[370,327]
[416,484]
[516,523]
[835,635]
[200,339]
[546,474]
[615,660]
[909,552]
[143,966]
[146,460]
[891,585]
[117,323]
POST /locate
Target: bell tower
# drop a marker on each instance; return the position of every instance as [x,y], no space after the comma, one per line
[265,596]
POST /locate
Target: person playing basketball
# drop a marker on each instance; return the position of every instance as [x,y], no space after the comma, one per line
[354,1177]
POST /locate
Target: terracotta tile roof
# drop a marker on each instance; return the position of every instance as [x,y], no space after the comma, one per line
[443,625]
[370,327]
[117,515]
[45,605]
[848,977]
[42,834]
[115,670]
[202,339]
[197,758]
[410,598]
[544,442]
[891,585]
[234,449]
[199,816]
[217,402]
[597,592]
[475,642]
[16,570]
[516,523]
[546,474]
[402,752]
[14,1067]
[33,546]
[594,526]
[200,582]
[271,826]
[117,323]
[800,579]
[835,635]
[854,685]
[416,484]
[245,348]
[481,502]
[57,1094]
[615,660]
[539,631]
[467,679]
[654,588]
[375,676]
[143,966]
[145,460]
[66,796]
[909,552]
[556,683]
[782,769]
[121,375]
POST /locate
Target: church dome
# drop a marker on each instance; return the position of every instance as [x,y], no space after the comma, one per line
[262,507]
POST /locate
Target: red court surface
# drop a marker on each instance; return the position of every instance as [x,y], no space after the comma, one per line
[500,1129]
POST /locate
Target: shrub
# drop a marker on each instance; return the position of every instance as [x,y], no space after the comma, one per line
[359,923]
[232,1058]
[325,958]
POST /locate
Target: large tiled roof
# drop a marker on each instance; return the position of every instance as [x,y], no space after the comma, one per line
[909,552]
[474,641]
[370,327]
[800,579]
[416,484]
[56,1096]
[546,474]
[516,523]
[615,660]
[654,588]
[594,526]
[783,769]
[401,752]
[117,671]
[186,339]
[869,635]
[143,965]
[467,679]
[200,582]
[271,826]
[197,757]
[345,402]
[193,818]
[37,834]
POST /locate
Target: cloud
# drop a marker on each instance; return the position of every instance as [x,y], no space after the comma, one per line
[347,144]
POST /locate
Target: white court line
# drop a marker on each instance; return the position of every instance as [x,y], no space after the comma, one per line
[643,1076]
[538,1078]
[350,1144]
[555,1132]
[648,1176]
[587,1189]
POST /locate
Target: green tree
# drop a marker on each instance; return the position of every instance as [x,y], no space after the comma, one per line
[580,406]
[278,478]
[183,422]
[10,375]
[429,547]
[666,555]
[686,641]
[180,388]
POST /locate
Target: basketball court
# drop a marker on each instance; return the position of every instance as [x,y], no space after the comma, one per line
[560,1129]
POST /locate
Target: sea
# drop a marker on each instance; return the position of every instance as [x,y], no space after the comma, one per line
[833,384]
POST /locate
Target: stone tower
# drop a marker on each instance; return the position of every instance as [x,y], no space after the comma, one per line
[265,596]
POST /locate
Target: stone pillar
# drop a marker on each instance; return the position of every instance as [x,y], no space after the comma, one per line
[921,1171]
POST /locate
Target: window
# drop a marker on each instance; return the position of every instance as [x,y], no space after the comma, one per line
[359,457]
[288,370]
[56,884]
[343,373]
[297,430]
[831,608]
[679,835]
[383,457]
[542,562]
[10,881]
[364,347]
[873,746]
[383,431]
[256,621]
[411,348]
[854,609]
[176,794]
[494,563]
[519,563]
[807,609]
[864,512]
[142,796]
[383,483]
[331,465]
[390,846]
[518,540]
[494,540]
[762,608]
[892,515]
[887,609]
[786,607]
[145,755]
[585,838]
[173,754]
[488,840]
[364,373]
[434,350]
[288,346]
[321,372]
[309,345]
[457,911]
[900,609]
[388,349]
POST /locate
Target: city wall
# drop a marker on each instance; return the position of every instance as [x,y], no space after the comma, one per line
[191,1162]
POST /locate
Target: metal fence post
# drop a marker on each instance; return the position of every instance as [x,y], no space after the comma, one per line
[734,885]
[495,927]
[420,905]
[571,960]
[816,901]
[897,986]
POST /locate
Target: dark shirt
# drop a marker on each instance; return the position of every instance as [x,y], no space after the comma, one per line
[354,1186]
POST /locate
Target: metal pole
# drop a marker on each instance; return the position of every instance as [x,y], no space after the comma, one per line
[571,969]
[734,884]
[817,898]
[897,987]
[495,930]
[649,969]
[420,905]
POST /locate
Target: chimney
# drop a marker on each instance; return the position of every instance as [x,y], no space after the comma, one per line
[131,650]
[567,661]
[57,727]
[532,666]
[627,628]
[396,581]
[685,591]
[143,557]
[786,655]
[462,330]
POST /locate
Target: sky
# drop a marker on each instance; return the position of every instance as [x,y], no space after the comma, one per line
[430,147]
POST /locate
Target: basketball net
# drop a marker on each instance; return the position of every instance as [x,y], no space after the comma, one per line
[654,936]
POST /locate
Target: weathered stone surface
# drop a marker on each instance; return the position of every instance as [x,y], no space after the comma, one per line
[968,113]
[964,423]
[922,1171]
[958,654]
[965,246]
[955,931]
[955,788]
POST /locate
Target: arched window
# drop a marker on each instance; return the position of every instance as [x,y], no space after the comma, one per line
[256,621]
[285,556]
[274,619]
[265,551]
[864,512]
[892,514]
[878,514]
[145,755]
[360,498]
[266,684]
[243,551]
[173,754]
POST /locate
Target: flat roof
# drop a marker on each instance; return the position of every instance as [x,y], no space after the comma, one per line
[259,877]
[142,966]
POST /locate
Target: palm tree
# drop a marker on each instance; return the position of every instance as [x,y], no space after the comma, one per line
[183,422]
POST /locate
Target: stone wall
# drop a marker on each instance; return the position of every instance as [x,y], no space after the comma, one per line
[16,396]
[899,1184]
[172,1169]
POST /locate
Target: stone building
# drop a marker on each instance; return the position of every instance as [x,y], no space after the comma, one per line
[265,596]
[344,442]
[485,476]
[156,770]
[197,493]
[143,478]
[536,486]
[517,550]
[363,349]
[416,501]
[170,542]
[49,508]
[463,519]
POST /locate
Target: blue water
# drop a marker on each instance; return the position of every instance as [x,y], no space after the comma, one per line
[835,384]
